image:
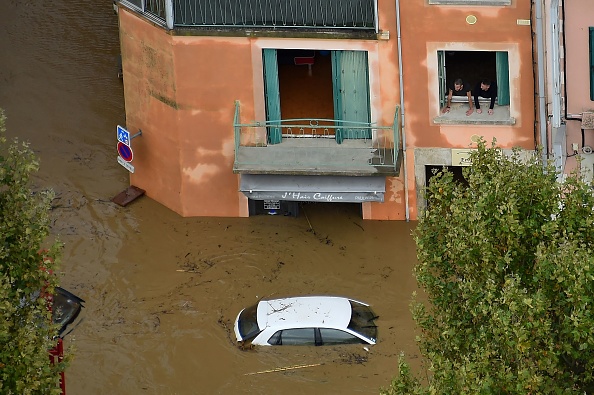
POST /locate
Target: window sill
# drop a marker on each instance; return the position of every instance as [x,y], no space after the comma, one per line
[471,2]
[457,116]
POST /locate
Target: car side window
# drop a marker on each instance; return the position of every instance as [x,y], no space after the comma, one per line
[293,337]
[336,336]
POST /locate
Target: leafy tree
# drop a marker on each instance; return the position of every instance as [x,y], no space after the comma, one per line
[26,332]
[506,264]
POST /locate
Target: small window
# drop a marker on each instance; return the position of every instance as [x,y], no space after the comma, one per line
[471,2]
[294,337]
[473,67]
[336,336]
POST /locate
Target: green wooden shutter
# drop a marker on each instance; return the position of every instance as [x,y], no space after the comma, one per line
[272,93]
[336,90]
[502,65]
[351,92]
[592,63]
[355,87]
[441,75]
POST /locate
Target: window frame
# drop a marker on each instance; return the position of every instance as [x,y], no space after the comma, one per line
[441,82]
[346,338]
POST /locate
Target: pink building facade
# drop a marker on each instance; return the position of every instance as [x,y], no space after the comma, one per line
[568,28]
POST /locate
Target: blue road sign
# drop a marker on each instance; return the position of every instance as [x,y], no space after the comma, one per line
[123,136]
[125,152]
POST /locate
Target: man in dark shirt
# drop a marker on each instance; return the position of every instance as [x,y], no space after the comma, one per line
[488,89]
[460,88]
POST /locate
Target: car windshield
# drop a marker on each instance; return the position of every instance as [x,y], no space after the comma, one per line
[362,320]
[248,323]
[65,309]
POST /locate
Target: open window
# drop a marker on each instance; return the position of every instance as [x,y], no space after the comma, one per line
[316,87]
[473,67]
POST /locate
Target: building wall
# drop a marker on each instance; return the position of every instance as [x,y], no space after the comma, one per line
[427,29]
[181,90]
[579,16]
[149,93]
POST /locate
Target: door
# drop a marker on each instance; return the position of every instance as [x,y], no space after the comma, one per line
[272,93]
[350,77]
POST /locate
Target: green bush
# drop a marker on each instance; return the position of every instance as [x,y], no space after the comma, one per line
[506,267]
[26,332]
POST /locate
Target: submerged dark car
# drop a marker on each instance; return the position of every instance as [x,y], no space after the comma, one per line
[65,309]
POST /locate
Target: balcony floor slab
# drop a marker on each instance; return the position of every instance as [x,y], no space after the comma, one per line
[316,156]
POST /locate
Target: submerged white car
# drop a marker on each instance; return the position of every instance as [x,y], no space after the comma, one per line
[307,320]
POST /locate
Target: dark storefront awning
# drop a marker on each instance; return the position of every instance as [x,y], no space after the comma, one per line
[337,189]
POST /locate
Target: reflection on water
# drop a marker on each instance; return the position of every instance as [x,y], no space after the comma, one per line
[162,291]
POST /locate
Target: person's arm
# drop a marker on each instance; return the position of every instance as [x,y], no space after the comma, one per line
[449,102]
[476,92]
[470,109]
[493,96]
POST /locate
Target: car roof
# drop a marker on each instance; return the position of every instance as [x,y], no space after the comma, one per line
[304,312]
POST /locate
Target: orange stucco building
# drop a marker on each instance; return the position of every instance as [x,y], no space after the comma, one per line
[241,113]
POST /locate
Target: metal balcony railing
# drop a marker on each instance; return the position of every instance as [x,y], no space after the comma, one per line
[316,146]
[318,14]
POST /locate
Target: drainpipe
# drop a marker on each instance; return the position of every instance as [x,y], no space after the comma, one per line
[169,14]
[375,17]
[541,99]
[571,117]
[399,43]
[555,62]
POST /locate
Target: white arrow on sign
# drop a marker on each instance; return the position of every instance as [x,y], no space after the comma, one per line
[126,165]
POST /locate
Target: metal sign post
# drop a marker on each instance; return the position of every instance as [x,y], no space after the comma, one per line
[125,156]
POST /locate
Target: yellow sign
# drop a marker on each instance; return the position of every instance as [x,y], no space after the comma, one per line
[461,157]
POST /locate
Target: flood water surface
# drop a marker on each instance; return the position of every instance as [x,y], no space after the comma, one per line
[162,291]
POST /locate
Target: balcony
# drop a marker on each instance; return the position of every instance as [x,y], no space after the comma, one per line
[274,14]
[317,147]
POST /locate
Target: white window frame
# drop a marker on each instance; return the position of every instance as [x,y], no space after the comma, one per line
[432,69]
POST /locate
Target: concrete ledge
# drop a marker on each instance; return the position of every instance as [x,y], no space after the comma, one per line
[472,121]
[457,116]
[471,2]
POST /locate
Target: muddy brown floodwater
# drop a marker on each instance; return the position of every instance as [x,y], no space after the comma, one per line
[162,291]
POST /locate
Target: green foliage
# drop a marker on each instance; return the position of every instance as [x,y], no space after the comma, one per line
[26,332]
[507,267]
